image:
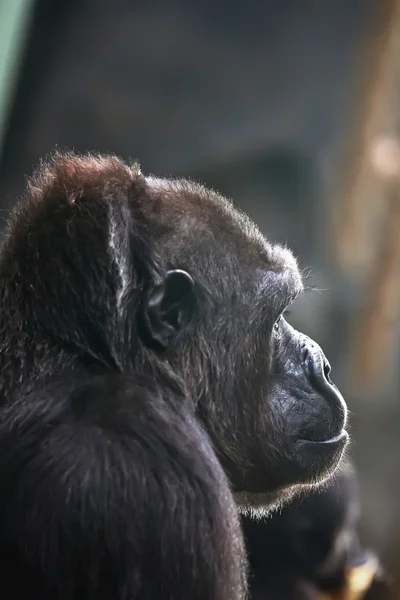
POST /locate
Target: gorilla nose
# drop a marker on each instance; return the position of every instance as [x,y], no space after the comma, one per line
[326,370]
[319,371]
[315,361]
[317,365]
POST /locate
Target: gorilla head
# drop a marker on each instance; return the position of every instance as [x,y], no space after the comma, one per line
[106,274]
[261,388]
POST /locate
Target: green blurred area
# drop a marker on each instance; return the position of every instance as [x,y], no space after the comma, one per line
[14,20]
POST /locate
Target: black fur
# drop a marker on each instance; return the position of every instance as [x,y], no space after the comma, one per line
[144,362]
[306,551]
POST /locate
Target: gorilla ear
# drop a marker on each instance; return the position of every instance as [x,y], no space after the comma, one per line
[169,308]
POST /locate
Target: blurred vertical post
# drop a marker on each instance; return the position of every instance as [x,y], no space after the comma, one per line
[372,115]
[368,234]
[377,330]
[14,20]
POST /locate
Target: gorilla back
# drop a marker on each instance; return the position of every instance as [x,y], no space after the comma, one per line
[149,381]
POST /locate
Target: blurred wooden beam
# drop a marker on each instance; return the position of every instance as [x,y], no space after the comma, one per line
[377,326]
[373,115]
[367,234]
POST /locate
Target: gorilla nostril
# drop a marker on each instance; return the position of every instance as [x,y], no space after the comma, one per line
[305,354]
[319,367]
[327,371]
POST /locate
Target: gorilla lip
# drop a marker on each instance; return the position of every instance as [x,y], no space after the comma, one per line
[339,439]
[321,455]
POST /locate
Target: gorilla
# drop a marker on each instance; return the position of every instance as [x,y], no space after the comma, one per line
[311,549]
[150,385]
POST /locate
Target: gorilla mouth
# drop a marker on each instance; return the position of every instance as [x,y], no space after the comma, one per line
[321,456]
[336,440]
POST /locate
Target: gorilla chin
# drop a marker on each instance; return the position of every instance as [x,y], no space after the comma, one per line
[260,505]
[318,461]
[321,457]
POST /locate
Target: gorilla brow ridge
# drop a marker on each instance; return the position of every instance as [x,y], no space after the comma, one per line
[281,287]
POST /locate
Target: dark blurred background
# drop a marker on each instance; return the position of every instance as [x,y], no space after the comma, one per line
[283,105]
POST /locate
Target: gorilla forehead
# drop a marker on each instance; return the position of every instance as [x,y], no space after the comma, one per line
[183,207]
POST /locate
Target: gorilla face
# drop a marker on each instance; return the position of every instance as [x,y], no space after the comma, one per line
[261,388]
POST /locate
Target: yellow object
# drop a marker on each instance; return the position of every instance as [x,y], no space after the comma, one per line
[358,581]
